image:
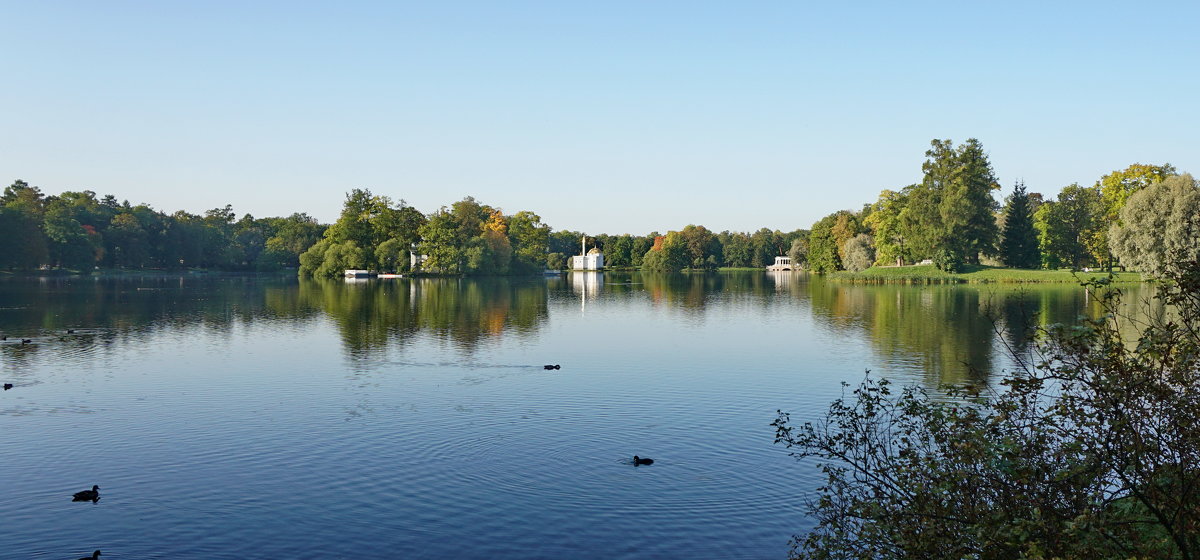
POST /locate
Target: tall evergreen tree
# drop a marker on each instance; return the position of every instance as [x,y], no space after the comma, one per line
[950,212]
[967,205]
[1019,245]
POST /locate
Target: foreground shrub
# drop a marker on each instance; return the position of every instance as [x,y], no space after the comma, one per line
[1090,450]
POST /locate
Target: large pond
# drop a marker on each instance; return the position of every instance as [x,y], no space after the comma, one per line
[252,417]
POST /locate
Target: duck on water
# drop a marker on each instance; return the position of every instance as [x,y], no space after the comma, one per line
[87,495]
[642,461]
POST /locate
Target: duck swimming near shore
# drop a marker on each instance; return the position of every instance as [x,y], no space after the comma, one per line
[94,556]
[88,495]
[8,386]
[642,461]
[555,366]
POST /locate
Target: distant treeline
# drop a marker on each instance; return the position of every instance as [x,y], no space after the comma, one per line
[77,231]
[1141,216]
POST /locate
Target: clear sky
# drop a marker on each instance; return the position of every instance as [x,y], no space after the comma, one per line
[606,117]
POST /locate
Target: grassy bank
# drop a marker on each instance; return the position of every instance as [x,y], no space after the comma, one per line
[929,274]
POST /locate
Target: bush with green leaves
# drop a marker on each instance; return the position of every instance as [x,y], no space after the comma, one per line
[1091,449]
[947,260]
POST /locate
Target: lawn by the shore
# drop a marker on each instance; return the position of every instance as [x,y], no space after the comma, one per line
[929,274]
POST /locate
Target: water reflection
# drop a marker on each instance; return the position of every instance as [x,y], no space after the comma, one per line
[104,310]
[950,334]
[955,334]
[374,316]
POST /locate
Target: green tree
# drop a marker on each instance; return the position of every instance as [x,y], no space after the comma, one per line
[1065,226]
[393,255]
[823,254]
[1160,226]
[885,224]
[394,221]
[366,221]
[441,244]
[313,257]
[700,244]
[354,223]
[1019,244]
[1118,186]
[128,243]
[845,227]
[1115,189]
[968,208]
[69,244]
[338,257]
[530,242]
[951,211]
[566,242]
[765,245]
[292,236]
[670,254]
[919,222]
[155,225]
[219,249]
[621,252]
[24,208]
[472,238]
[21,197]
[641,246]
[736,249]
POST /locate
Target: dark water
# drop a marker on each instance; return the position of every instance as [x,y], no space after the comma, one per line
[234,417]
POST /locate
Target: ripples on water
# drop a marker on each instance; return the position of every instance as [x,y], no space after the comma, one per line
[234,418]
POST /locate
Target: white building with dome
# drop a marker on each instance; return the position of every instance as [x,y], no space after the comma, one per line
[589,260]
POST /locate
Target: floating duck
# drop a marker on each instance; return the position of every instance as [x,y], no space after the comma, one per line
[642,461]
[8,386]
[94,556]
[88,495]
[70,331]
[555,366]
[26,340]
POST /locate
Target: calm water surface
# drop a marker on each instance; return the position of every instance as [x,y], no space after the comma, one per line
[234,417]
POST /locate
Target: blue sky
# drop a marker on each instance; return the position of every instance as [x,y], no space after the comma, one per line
[615,117]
